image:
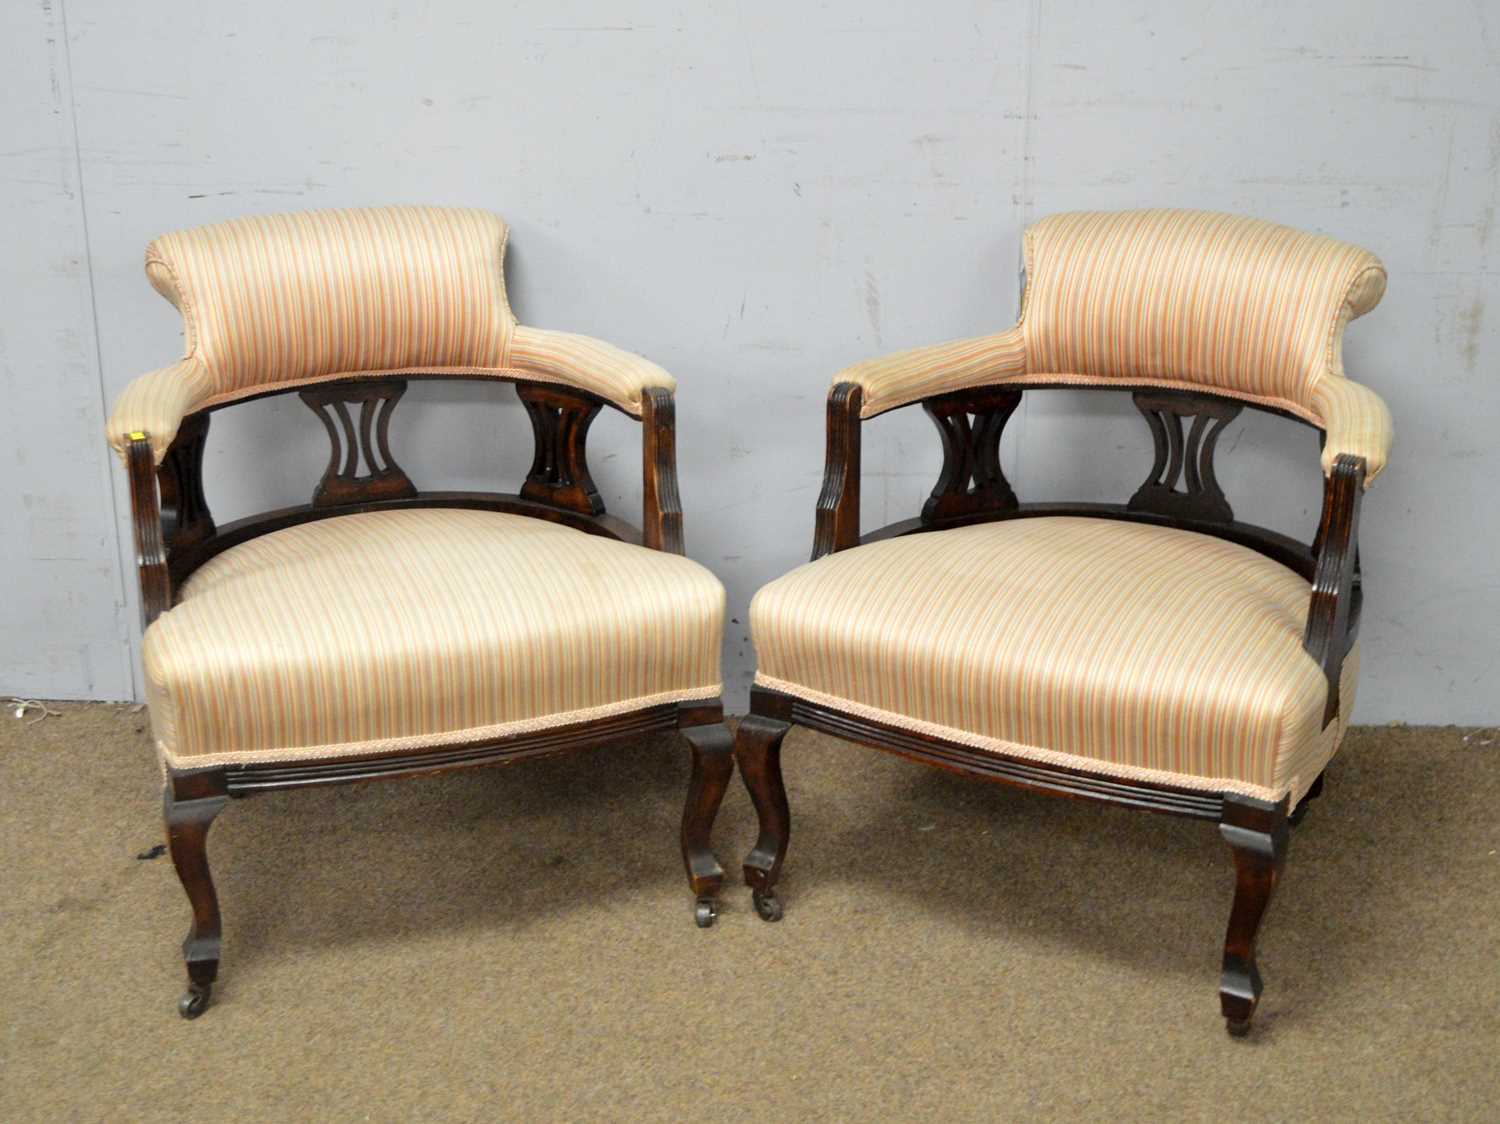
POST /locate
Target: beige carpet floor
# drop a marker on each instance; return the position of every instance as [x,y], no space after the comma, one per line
[516,944]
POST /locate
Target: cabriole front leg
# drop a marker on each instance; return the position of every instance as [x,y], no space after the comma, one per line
[191,802]
[1256,831]
[757,748]
[713,764]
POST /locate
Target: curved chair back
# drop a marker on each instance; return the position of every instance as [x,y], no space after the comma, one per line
[294,298]
[1192,300]
[343,307]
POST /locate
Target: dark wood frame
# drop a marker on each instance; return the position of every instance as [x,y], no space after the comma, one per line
[972,489]
[175,533]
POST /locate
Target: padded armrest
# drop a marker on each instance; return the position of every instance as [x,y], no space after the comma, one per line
[587,364]
[156,403]
[909,376]
[1357,422]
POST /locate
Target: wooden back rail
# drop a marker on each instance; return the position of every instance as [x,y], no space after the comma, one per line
[1185,429]
[175,532]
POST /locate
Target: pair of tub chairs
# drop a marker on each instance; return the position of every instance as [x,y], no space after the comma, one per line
[1155,653]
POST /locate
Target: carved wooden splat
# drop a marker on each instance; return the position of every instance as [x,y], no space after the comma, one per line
[1186,456]
[971,481]
[559,474]
[185,516]
[366,445]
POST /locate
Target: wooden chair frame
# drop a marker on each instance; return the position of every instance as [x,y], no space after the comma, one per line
[971,489]
[175,533]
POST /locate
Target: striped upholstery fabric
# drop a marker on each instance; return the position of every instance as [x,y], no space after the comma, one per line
[410,629]
[1131,650]
[1172,298]
[283,300]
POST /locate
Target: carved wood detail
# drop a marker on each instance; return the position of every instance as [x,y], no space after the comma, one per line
[971,481]
[560,420]
[145,515]
[1188,457]
[661,506]
[186,519]
[836,525]
[1333,612]
[367,445]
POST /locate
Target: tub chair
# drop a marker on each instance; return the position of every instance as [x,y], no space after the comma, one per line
[1156,653]
[380,630]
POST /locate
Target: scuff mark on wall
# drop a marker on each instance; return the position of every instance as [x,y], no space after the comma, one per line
[1470,325]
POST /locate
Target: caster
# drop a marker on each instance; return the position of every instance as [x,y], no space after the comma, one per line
[768,906]
[194,1001]
[706,912]
[1237,1028]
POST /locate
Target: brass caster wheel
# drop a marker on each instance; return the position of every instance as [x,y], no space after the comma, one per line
[194,1001]
[706,912]
[768,906]
[1238,1028]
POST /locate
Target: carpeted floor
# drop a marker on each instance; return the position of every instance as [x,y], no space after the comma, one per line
[517,944]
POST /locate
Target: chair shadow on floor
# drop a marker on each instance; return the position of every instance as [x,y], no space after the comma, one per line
[487,849]
[1139,890]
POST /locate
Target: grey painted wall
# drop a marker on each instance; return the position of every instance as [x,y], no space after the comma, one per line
[755,196]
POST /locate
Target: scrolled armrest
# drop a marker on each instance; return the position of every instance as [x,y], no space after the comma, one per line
[600,368]
[1357,423]
[923,372]
[155,404]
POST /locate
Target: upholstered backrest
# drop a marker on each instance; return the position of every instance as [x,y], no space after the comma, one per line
[1177,297]
[297,297]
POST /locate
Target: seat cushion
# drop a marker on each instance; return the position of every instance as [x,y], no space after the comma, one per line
[407,629]
[1125,649]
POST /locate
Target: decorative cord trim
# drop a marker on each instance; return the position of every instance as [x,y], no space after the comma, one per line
[438,741]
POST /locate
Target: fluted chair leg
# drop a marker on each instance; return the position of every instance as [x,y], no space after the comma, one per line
[757,748]
[1257,833]
[713,765]
[191,801]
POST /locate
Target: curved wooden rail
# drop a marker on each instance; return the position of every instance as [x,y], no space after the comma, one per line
[175,532]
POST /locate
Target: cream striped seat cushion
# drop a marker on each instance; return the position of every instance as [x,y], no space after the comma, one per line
[401,630]
[1125,649]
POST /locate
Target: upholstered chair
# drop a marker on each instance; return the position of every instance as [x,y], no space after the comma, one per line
[1155,653]
[379,630]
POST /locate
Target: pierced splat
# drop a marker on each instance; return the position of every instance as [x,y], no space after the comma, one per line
[367,445]
[1188,457]
[559,473]
[971,481]
[185,517]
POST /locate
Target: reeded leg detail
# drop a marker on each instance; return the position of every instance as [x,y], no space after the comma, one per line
[713,764]
[191,801]
[1257,833]
[758,751]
